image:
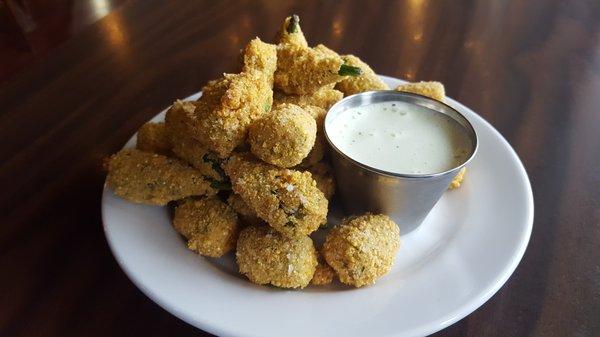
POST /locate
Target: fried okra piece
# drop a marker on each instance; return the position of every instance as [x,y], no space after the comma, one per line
[291,33]
[362,249]
[284,137]
[324,274]
[178,123]
[367,81]
[321,173]
[323,98]
[457,181]
[209,225]
[260,56]
[149,178]
[228,106]
[302,70]
[287,200]
[265,256]
[433,90]
[245,212]
[152,137]
[318,150]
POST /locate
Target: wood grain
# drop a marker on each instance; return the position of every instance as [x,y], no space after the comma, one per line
[531,68]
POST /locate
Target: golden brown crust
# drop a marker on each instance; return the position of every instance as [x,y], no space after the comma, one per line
[367,81]
[362,249]
[302,70]
[153,179]
[152,137]
[228,106]
[324,98]
[260,56]
[318,150]
[457,181]
[245,212]
[267,257]
[324,274]
[433,90]
[322,174]
[284,137]
[291,35]
[210,226]
[287,200]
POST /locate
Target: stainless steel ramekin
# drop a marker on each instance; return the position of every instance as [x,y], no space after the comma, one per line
[406,198]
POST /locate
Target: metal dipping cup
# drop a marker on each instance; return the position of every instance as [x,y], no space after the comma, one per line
[406,198]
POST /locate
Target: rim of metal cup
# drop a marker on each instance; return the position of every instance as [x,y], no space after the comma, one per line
[431,104]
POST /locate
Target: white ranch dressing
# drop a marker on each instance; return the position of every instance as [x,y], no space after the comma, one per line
[400,137]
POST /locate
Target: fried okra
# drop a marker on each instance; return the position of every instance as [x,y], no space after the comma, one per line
[303,70]
[228,106]
[245,212]
[178,123]
[260,56]
[433,90]
[367,81]
[324,274]
[362,249]
[318,150]
[267,257]
[291,33]
[321,173]
[209,225]
[153,179]
[152,137]
[287,200]
[457,181]
[323,98]
[284,137]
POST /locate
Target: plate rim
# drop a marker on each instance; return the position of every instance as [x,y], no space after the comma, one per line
[473,304]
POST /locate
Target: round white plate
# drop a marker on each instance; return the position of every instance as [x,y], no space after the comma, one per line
[462,254]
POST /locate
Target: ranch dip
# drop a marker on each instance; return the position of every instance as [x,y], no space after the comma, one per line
[399,137]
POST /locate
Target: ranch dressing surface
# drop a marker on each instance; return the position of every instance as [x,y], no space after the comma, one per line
[401,138]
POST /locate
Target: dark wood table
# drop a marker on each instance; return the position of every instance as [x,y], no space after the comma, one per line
[530,67]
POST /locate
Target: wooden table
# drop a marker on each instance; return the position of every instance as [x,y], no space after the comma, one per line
[531,68]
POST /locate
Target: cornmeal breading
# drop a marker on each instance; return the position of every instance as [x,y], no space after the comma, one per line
[287,200]
[209,225]
[284,137]
[367,81]
[433,90]
[362,249]
[153,179]
[267,257]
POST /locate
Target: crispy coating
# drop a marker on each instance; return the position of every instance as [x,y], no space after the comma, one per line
[284,137]
[267,257]
[457,181]
[152,137]
[210,226]
[362,249]
[321,173]
[245,212]
[324,98]
[148,178]
[261,57]
[291,34]
[228,106]
[178,123]
[324,274]
[302,70]
[433,90]
[318,150]
[287,200]
[367,81]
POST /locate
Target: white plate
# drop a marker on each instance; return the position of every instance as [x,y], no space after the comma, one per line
[463,253]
